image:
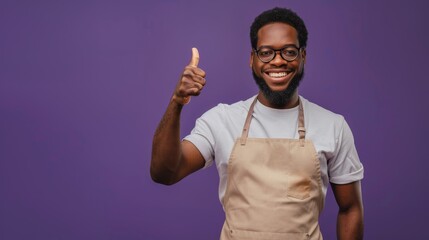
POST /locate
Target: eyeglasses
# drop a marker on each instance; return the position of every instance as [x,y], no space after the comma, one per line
[267,54]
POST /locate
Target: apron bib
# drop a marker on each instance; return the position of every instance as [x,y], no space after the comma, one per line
[274,187]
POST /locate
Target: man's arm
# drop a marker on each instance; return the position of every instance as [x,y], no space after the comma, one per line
[173,159]
[350,214]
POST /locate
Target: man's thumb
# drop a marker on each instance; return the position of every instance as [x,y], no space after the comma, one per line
[195,58]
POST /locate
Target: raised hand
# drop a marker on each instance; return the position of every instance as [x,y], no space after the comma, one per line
[191,82]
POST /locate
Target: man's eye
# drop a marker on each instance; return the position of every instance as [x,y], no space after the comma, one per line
[290,52]
[265,53]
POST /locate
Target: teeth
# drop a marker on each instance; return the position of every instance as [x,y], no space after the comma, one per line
[280,74]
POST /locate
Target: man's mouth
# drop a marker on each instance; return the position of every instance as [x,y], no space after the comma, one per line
[277,74]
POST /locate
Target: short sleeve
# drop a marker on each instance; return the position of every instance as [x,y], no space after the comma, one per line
[202,136]
[345,167]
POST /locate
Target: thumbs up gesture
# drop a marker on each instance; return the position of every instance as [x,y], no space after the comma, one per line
[191,82]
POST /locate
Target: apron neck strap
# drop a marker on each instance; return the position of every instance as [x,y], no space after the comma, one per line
[301,128]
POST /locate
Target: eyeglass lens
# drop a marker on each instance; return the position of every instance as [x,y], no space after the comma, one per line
[266,54]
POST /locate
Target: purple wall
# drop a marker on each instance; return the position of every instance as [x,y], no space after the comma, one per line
[83,85]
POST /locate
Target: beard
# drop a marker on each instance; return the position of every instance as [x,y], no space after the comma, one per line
[278,98]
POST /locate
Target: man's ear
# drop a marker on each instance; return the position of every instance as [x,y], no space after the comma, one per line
[304,55]
[252,54]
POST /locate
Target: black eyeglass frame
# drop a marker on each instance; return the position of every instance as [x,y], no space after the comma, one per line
[278,50]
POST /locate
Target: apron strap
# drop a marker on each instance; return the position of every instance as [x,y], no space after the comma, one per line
[301,128]
[246,127]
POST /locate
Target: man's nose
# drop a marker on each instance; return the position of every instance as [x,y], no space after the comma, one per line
[278,59]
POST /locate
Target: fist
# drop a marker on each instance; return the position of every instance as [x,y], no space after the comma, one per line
[191,82]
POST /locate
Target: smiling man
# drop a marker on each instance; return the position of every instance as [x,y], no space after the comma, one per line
[276,152]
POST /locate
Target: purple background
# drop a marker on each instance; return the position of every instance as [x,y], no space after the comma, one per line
[84,84]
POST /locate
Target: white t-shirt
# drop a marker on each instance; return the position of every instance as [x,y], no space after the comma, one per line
[216,131]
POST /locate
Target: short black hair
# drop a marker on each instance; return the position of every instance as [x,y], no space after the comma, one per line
[282,15]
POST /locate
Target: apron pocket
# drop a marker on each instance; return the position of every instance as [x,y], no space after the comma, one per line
[254,235]
[299,189]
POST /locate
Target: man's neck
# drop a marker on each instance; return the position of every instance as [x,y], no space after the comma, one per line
[293,101]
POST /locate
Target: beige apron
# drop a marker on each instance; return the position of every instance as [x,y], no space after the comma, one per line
[274,187]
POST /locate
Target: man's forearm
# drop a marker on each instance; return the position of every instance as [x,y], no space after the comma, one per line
[166,145]
[350,224]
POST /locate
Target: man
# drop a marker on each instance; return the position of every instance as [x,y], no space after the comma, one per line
[275,152]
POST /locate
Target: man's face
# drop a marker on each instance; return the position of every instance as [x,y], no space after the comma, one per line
[277,79]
